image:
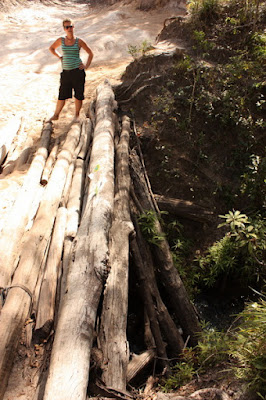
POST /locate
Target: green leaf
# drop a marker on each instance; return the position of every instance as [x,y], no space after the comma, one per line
[259,362]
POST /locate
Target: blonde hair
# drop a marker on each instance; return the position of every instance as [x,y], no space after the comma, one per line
[68,20]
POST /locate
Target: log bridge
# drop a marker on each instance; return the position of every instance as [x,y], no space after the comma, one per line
[68,254]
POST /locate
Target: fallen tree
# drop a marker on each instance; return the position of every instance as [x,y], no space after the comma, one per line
[19,300]
[77,258]
[20,213]
[70,360]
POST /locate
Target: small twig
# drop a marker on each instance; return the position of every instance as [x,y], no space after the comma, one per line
[192,96]
[145,172]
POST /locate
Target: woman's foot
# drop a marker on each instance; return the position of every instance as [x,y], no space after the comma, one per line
[53,118]
[76,119]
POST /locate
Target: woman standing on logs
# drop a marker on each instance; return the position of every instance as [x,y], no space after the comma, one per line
[73,74]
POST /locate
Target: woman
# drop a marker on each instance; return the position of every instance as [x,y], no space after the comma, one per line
[73,74]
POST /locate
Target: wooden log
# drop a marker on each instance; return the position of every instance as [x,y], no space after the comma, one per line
[7,134]
[49,163]
[138,363]
[46,303]
[86,132]
[73,198]
[146,273]
[12,233]
[24,155]
[183,208]
[74,203]
[16,150]
[113,338]
[85,137]
[70,359]
[149,306]
[168,274]
[19,299]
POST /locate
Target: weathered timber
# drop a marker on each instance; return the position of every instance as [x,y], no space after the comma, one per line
[183,208]
[47,296]
[74,203]
[74,196]
[149,306]
[7,134]
[86,132]
[70,359]
[16,150]
[178,298]
[146,274]
[113,338]
[99,389]
[49,163]
[23,156]
[79,153]
[18,301]
[138,363]
[19,215]
[148,338]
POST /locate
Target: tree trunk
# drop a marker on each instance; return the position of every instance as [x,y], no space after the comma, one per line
[18,302]
[113,337]
[138,363]
[16,150]
[70,360]
[183,208]
[19,216]
[149,305]
[46,303]
[7,134]
[168,275]
[49,163]
[146,273]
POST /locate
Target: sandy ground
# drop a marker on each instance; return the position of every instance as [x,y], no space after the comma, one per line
[30,73]
[30,79]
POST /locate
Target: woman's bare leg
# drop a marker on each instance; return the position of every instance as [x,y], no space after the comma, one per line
[59,106]
[78,105]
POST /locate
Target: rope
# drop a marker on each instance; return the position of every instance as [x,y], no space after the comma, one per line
[4,293]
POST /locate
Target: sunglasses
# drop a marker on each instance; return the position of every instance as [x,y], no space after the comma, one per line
[69,26]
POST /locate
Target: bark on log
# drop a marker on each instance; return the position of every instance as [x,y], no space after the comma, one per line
[46,303]
[149,306]
[7,134]
[86,132]
[79,153]
[19,216]
[18,302]
[73,194]
[74,203]
[49,163]
[16,150]
[147,277]
[113,338]
[69,367]
[24,155]
[167,325]
[138,363]
[183,208]
[168,275]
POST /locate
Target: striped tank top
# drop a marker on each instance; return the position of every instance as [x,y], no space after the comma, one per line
[71,57]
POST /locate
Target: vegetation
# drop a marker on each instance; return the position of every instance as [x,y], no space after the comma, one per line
[239,255]
[139,50]
[242,348]
[211,105]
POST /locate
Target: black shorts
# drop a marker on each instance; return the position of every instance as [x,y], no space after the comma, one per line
[72,79]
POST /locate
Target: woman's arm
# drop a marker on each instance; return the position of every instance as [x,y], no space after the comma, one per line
[85,47]
[54,46]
